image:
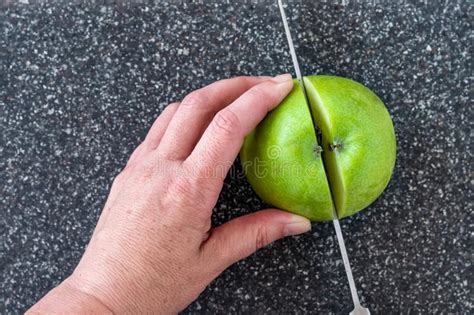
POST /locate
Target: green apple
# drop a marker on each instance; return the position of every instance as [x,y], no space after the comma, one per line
[348,168]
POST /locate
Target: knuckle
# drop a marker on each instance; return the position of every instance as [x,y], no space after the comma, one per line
[195,99]
[170,107]
[261,238]
[119,179]
[242,79]
[227,123]
[135,156]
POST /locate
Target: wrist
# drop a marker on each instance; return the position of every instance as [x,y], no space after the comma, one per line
[69,298]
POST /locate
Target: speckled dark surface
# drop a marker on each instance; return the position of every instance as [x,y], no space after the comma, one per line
[81,84]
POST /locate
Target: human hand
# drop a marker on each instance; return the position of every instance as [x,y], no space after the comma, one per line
[153,249]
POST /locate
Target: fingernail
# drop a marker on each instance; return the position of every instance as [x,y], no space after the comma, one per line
[297,225]
[282,78]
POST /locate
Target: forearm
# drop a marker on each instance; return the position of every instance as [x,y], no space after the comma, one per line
[67,299]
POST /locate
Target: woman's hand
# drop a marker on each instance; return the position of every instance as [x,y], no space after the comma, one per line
[154,250]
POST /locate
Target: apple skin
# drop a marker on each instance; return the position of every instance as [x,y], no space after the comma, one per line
[353,117]
[281,160]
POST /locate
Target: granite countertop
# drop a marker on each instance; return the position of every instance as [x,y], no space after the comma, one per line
[81,83]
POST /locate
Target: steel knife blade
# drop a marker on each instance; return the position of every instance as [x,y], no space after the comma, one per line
[358,309]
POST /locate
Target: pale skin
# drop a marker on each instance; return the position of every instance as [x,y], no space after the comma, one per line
[154,249]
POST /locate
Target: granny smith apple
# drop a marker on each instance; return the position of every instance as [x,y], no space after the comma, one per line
[336,151]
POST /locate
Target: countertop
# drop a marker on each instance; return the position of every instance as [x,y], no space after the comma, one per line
[81,83]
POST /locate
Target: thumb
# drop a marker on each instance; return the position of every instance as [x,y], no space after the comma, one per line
[243,236]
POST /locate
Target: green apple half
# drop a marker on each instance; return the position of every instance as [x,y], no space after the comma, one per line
[348,168]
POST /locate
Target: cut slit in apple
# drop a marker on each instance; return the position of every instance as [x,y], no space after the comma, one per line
[323,124]
[358,146]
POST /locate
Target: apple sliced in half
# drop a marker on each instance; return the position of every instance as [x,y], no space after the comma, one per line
[282,159]
[358,140]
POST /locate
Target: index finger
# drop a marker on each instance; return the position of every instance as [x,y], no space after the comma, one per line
[218,147]
[196,111]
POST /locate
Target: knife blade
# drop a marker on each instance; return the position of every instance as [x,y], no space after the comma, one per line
[358,308]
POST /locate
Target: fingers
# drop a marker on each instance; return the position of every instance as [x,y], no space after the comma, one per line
[155,133]
[136,154]
[197,110]
[151,141]
[160,125]
[243,236]
[221,142]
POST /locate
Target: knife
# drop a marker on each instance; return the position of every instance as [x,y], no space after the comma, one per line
[358,309]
